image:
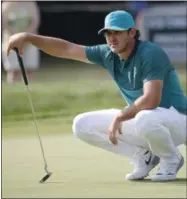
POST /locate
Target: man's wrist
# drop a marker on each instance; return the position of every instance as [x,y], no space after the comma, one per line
[28,37]
[127,113]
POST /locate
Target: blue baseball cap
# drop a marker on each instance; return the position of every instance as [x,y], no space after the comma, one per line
[118,20]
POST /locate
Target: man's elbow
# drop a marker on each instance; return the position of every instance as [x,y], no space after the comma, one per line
[152,103]
[152,106]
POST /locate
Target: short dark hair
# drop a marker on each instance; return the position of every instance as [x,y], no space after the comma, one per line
[137,35]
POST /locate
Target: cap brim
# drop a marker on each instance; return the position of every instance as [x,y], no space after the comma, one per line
[111,28]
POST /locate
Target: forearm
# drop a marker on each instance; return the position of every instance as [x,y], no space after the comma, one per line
[142,103]
[50,45]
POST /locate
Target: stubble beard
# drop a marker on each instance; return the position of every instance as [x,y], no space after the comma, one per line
[124,49]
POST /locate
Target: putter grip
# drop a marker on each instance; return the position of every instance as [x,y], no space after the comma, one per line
[20,60]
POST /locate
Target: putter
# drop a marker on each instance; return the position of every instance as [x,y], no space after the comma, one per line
[48,174]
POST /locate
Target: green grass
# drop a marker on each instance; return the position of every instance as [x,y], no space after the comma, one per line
[63,93]
[66,96]
[79,170]
[54,99]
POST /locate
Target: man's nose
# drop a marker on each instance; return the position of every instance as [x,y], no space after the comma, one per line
[112,38]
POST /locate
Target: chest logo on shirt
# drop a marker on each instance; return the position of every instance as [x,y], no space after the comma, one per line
[134,78]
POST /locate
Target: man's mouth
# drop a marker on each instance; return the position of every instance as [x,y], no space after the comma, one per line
[113,45]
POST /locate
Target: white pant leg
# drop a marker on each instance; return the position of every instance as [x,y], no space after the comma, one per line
[92,127]
[164,129]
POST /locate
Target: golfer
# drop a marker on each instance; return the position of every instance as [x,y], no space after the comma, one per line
[153,125]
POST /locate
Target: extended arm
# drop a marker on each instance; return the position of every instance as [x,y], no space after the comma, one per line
[53,46]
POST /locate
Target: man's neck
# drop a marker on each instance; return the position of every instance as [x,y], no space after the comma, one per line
[125,55]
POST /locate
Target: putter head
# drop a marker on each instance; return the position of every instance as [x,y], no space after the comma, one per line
[45,177]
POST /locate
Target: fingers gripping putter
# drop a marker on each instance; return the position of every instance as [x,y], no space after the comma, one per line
[48,174]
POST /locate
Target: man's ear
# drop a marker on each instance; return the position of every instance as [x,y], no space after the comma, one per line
[132,32]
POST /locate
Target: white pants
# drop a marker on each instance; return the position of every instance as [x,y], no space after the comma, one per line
[30,59]
[159,130]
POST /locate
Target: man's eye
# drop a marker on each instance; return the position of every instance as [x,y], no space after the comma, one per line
[117,32]
[107,34]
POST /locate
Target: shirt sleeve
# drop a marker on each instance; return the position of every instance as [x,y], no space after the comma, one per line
[96,54]
[155,65]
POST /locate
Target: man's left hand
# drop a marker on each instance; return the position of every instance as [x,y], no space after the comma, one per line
[115,130]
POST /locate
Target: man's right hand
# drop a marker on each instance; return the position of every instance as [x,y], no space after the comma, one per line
[17,41]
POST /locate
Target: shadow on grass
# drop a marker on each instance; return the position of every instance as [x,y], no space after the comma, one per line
[53,182]
[178,181]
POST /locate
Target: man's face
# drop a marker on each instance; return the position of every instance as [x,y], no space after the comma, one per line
[118,41]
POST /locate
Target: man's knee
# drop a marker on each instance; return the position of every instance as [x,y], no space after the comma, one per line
[82,125]
[78,125]
[146,121]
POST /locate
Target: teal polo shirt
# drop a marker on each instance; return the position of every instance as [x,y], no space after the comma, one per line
[147,62]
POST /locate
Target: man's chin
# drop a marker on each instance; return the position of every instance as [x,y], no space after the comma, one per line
[114,50]
[117,51]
